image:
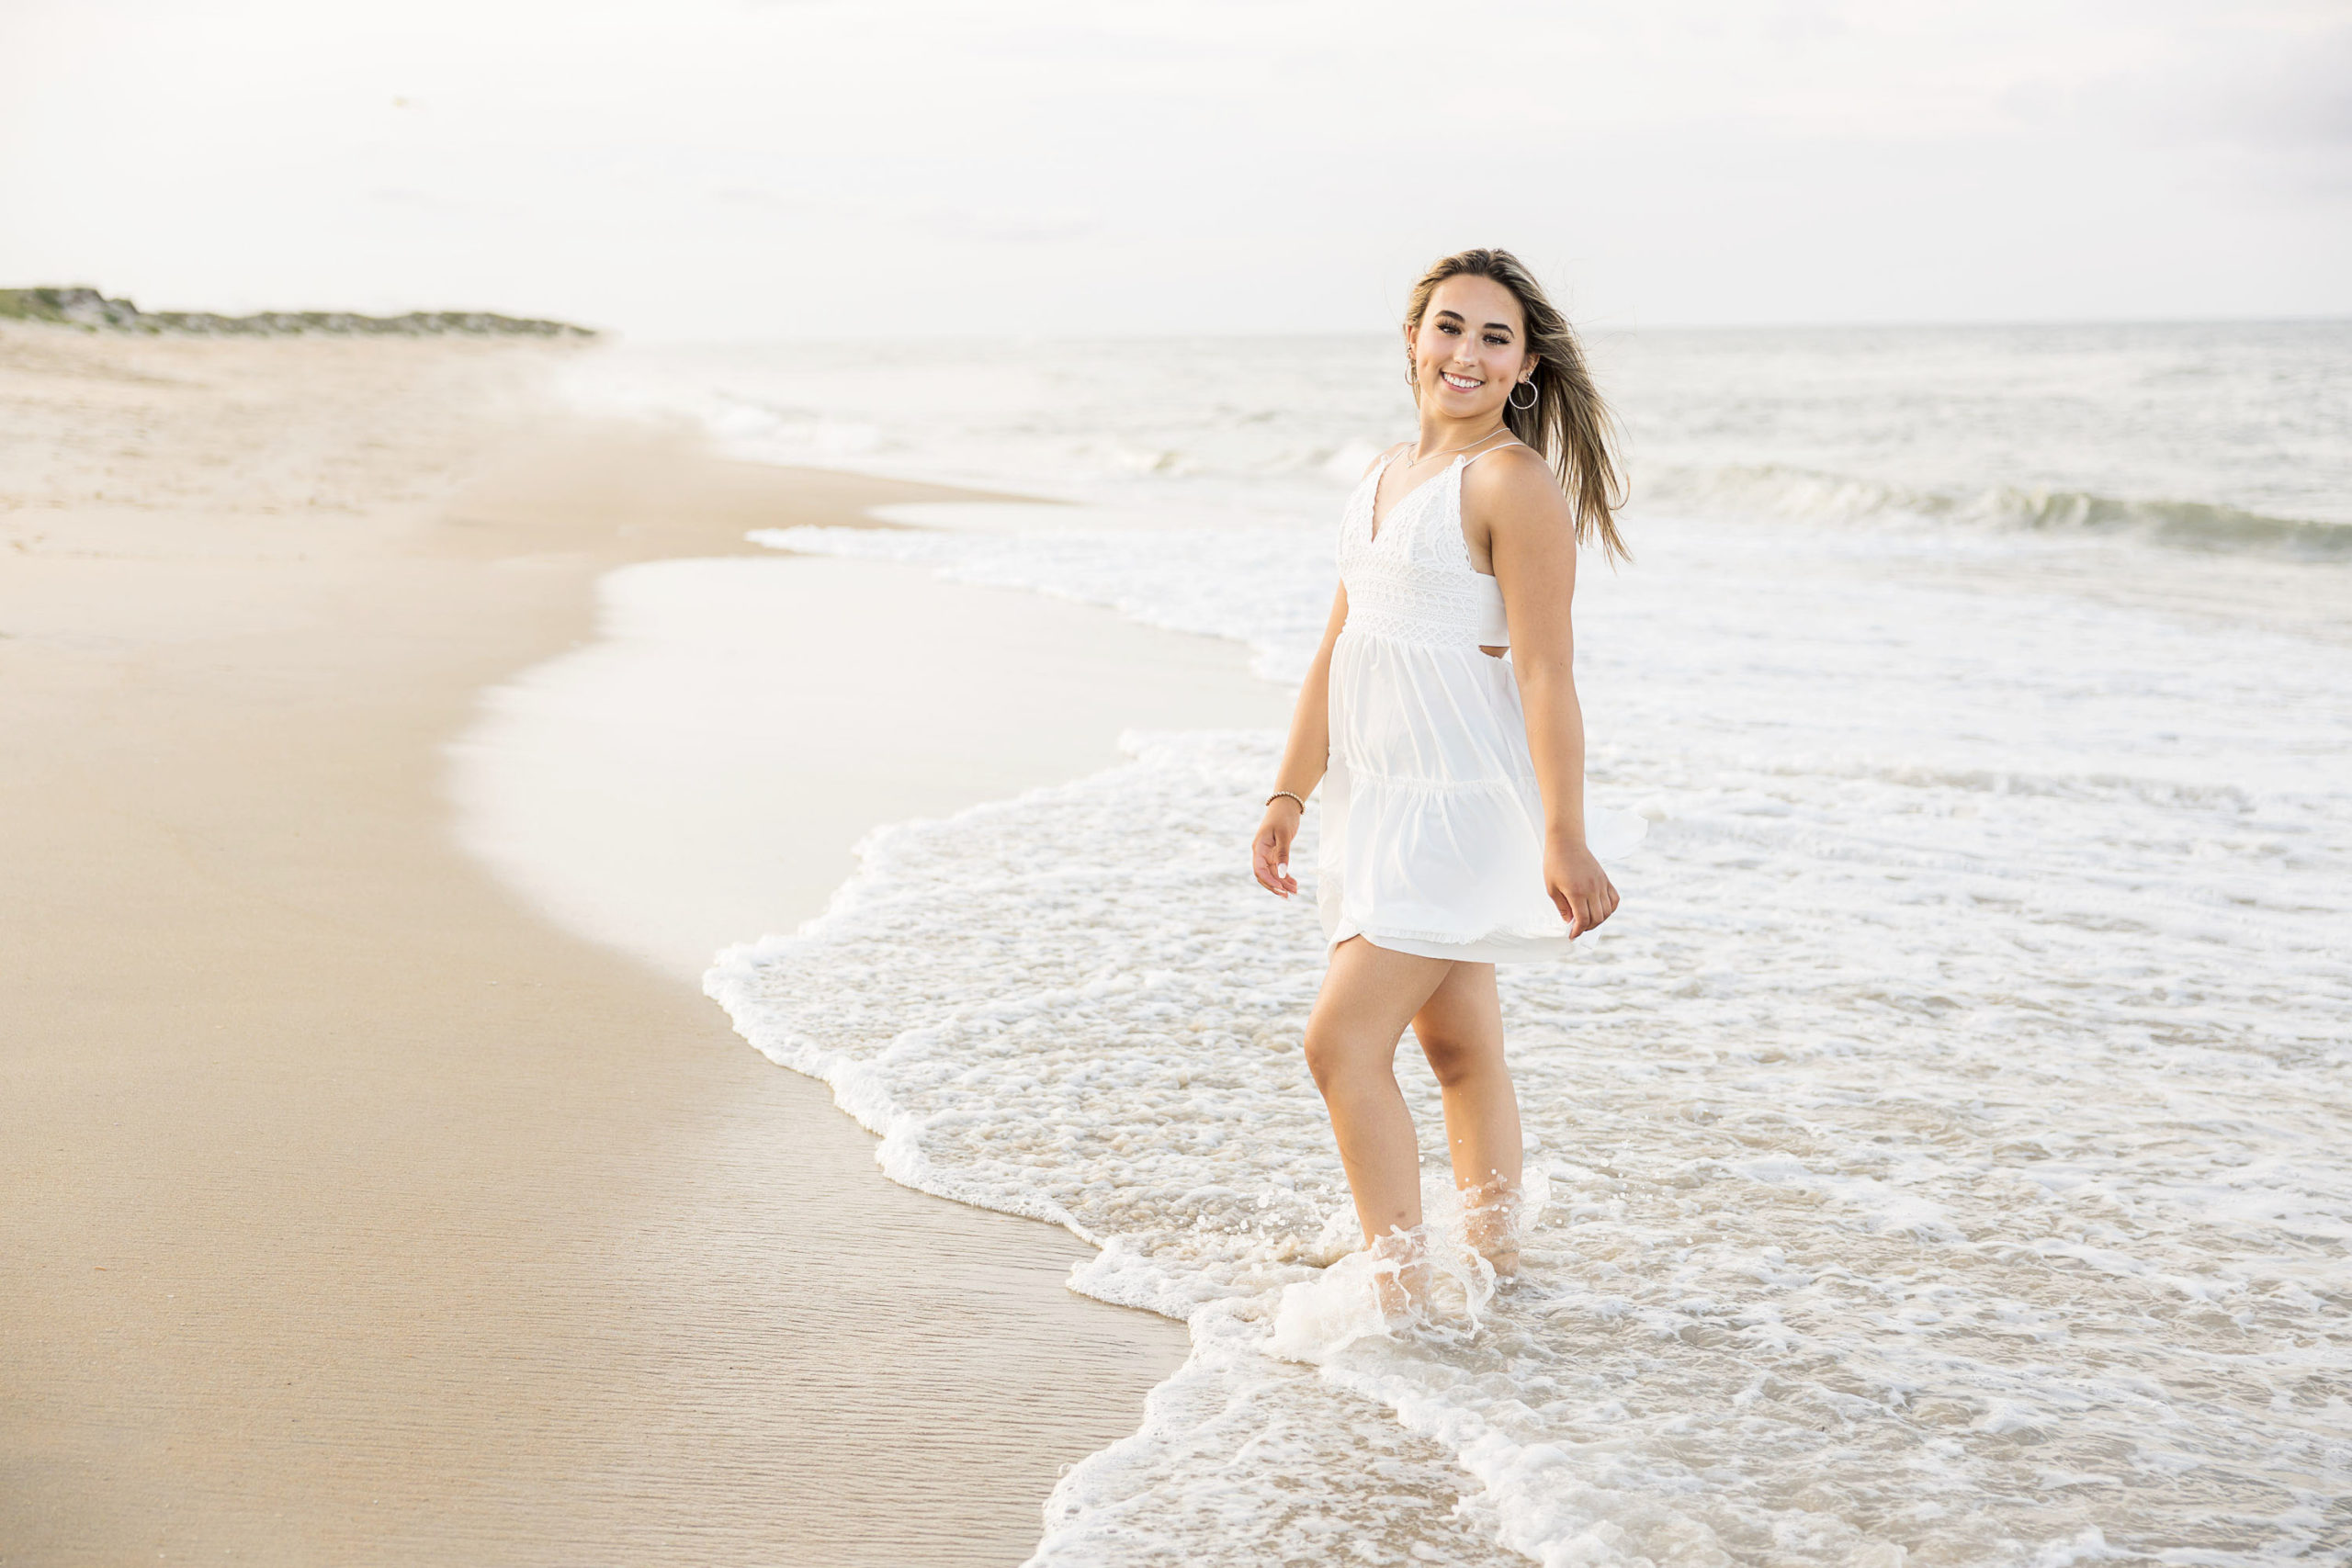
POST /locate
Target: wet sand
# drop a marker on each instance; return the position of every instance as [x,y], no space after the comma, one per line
[358,1211]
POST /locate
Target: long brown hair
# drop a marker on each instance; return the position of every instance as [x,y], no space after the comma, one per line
[1567,424]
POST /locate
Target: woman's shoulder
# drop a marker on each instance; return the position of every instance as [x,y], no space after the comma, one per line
[1383,456]
[1514,481]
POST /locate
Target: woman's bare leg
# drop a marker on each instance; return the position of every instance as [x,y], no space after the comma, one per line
[1460,1028]
[1369,996]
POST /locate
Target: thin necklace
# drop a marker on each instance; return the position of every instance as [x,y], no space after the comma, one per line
[1412,463]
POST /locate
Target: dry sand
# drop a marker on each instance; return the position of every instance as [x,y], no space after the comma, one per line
[354,1211]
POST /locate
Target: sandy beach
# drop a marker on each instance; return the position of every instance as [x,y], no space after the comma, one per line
[361,1210]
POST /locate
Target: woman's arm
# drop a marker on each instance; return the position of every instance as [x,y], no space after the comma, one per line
[1531,538]
[1303,759]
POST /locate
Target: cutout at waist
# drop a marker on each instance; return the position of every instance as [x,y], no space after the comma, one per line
[1495,634]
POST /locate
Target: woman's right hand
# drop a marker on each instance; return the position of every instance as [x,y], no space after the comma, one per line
[1269,856]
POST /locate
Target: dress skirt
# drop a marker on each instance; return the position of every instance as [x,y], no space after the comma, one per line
[1432,831]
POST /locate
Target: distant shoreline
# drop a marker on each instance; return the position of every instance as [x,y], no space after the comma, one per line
[90,310]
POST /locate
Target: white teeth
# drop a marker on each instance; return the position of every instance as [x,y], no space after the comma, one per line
[1461,382]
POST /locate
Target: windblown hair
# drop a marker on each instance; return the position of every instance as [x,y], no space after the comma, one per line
[1567,424]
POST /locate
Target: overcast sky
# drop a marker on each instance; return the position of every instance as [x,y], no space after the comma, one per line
[701,168]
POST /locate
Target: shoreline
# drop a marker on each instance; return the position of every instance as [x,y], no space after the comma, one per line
[537,1261]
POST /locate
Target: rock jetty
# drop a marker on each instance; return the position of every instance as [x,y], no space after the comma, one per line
[90,310]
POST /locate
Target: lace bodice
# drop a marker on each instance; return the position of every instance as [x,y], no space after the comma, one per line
[1413,582]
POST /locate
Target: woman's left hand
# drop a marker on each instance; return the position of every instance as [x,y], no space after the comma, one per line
[1579,888]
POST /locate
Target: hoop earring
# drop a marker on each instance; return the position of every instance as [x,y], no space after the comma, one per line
[1530,402]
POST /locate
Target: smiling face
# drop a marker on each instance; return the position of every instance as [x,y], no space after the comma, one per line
[1469,350]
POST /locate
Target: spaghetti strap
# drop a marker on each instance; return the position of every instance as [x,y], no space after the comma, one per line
[1492,450]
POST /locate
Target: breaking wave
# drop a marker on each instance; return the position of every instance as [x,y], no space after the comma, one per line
[1802,495]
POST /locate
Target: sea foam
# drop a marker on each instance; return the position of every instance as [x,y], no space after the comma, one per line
[1945,1145]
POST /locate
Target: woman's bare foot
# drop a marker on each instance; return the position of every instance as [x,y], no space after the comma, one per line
[1490,1216]
[1400,1275]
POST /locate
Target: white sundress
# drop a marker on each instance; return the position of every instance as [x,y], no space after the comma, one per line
[1433,837]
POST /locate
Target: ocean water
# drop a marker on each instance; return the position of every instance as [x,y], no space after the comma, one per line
[2229,435]
[1944,1157]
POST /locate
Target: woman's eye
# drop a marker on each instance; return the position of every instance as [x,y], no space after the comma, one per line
[1495,341]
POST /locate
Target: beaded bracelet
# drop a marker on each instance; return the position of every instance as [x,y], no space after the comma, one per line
[1286,795]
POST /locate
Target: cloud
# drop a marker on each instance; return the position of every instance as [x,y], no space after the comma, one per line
[1007,227]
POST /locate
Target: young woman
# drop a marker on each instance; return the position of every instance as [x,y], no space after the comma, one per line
[1454,820]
